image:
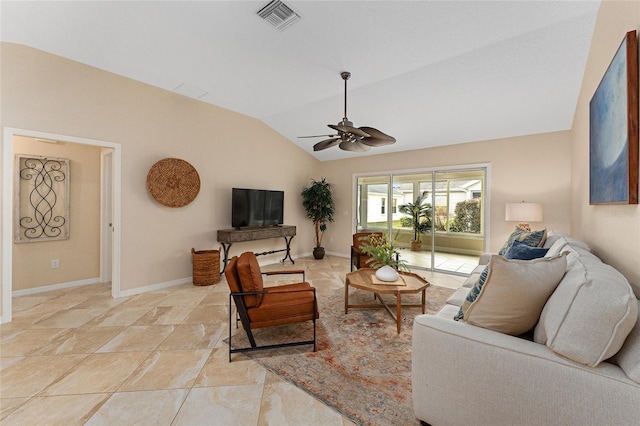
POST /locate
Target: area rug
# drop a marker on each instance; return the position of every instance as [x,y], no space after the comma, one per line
[362,367]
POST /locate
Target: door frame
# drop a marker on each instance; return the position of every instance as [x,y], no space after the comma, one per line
[106,214]
[7,208]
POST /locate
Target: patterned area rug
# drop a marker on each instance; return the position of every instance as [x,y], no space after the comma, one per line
[362,367]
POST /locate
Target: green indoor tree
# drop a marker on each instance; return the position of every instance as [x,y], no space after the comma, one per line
[318,205]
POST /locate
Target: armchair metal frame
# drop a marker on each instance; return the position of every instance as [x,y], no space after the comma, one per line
[243,316]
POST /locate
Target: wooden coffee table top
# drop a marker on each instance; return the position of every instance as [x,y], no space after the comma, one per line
[362,279]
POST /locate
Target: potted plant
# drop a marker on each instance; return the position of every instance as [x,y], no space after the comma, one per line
[383,252]
[318,205]
[419,218]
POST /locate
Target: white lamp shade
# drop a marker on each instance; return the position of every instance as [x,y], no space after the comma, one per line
[523,212]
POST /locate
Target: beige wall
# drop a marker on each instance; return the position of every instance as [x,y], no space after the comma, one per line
[47,93]
[532,168]
[79,256]
[612,231]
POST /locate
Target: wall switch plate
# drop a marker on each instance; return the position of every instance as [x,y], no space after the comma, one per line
[55,263]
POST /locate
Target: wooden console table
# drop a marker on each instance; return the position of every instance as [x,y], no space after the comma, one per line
[227,237]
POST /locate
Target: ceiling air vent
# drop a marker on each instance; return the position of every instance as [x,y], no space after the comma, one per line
[278,14]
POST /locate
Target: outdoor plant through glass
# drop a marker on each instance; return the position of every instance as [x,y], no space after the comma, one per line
[419,216]
[382,251]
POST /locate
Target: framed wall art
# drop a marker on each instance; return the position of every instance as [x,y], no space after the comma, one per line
[41,205]
[613,130]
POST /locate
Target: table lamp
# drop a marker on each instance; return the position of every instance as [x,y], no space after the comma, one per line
[523,213]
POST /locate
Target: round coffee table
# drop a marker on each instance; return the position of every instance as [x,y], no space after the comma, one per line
[364,279]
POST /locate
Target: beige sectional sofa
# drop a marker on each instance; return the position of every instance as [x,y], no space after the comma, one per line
[578,365]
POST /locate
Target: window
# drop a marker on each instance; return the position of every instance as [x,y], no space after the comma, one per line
[382,205]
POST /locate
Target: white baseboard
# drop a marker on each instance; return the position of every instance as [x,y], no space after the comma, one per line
[147,288]
[52,287]
[154,287]
[330,253]
[336,254]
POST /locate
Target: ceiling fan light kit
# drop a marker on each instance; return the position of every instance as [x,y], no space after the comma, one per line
[350,138]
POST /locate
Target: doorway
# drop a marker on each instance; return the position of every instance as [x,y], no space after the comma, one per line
[111,160]
[437,217]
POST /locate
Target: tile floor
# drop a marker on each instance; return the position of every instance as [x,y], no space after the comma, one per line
[78,357]
[451,262]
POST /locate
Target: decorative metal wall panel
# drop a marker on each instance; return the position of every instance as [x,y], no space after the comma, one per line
[41,205]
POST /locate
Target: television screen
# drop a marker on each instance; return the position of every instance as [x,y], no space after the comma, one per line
[256,207]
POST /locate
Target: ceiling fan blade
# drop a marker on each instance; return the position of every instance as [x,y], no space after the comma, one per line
[318,136]
[377,142]
[377,134]
[353,146]
[349,129]
[327,143]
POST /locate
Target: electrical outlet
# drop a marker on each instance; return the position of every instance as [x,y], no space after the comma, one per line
[55,263]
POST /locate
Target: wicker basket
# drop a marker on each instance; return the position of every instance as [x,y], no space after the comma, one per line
[206,266]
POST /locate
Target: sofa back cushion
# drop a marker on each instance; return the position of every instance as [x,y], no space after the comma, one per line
[513,293]
[590,314]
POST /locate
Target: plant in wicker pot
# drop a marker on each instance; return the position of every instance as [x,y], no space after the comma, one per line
[419,218]
[318,205]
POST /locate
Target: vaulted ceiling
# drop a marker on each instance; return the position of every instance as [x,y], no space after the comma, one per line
[429,73]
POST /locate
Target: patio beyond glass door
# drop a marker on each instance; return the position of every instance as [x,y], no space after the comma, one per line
[458,219]
[412,221]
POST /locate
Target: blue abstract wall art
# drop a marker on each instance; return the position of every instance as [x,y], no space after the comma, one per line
[613,133]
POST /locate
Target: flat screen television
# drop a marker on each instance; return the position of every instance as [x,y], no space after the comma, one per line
[256,207]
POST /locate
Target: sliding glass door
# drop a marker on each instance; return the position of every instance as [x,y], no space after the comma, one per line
[435,217]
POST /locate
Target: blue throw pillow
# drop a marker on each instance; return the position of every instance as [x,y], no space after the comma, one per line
[522,251]
[531,238]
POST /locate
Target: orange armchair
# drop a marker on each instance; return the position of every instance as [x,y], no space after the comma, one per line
[358,258]
[258,306]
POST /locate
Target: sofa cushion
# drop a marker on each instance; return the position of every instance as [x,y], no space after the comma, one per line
[514,293]
[473,278]
[521,251]
[589,316]
[530,238]
[447,311]
[250,278]
[628,358]
[557,247]
[458,297]
[552,237]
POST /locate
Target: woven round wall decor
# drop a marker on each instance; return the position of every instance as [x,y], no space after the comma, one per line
[173,182]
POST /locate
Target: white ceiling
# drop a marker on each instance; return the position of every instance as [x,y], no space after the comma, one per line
[428,73]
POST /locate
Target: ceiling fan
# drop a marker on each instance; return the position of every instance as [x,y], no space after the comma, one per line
[351,138]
